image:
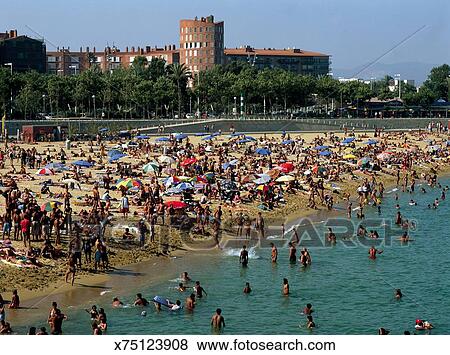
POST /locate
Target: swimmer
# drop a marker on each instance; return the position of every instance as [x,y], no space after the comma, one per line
[308,309]
[292,253]
[373,252]
[181,287]
[190,302]
[174,306]
[199,290]
[382,331]
[274,253]
[412,203]
[116,302]
[185,277]
[405,238]
[93,312]
[310,322]
[398,294]
[247,288]
[140,301]
[217,320]
[243,257]
[331,237]
[285,287]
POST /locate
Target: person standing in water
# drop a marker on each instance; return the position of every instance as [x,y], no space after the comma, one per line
[243,257]
[373,252]
[217,320]
[292,253]
[274,254]
[199,290]
[247,288]
[285,287]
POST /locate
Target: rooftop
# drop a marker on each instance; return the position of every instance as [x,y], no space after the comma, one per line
[289,52]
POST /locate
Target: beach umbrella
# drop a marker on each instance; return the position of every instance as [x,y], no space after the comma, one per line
[287,167]
[151,167]
[176,204]
[263,179]
[384,156]
[363,161]
[45,171]
[320,147]
[209,176]
[142,136]
[243,141]
[83,164]
[116,157]
[188,161]
[235,134]
[285,178]
[124,134]
[162,139]
[181,136]
[325,153]
[262,151]
[128,183]
[348,140]
[215,134]
[288,141]
[114,152]
[208,138]
[371,142]
[184,186]
[56,166]
[273,173]
[103,129]
[307,172]
[231,163]
[349,156]
[262,188]
[248,178]
[250,138]
[171,180]
[164,159]
[201,134]
[71,181]
[49,206]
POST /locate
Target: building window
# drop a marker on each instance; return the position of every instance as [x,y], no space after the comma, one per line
[195,53]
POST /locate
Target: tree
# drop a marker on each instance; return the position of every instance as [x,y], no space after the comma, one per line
[437,82]
[180,74]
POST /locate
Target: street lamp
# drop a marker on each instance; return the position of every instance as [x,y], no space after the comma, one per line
[399,86]
[43,103]
[93,99]
[11,98]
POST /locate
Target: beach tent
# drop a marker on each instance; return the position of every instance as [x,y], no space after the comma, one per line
[45,171]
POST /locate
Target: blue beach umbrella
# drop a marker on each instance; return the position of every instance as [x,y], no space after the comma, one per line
[116,157]
[208,138]
[371,142]
[162,139]
[83,163]
[325,153]
[288,141]
[201,134]
[262,151]
[320,147]
[114,152]
[348,140]
[142,136]
[181,136]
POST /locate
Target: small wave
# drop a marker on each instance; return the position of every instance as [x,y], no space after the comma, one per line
[237,252]
[271,237]
[104,292]
[391,191]
[178,280]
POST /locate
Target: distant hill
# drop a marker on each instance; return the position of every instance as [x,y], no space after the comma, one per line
[408,70]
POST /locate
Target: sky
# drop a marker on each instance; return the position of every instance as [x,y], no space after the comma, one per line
[353,32]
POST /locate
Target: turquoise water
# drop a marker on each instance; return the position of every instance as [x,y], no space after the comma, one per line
[350,293]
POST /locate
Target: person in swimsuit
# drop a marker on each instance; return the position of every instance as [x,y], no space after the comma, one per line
[292,253]
[274,254]
[398,294]
[140,301]
[15,300]
[247,288]
[373,252]
[116,302]
[190,302]
[199,290]
[308,309]
[243,258]
[181,287]
[285,287]
[217,320]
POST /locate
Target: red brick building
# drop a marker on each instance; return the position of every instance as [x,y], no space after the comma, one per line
[201,43]
[67,62]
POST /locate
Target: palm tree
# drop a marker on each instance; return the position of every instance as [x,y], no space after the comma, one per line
[180,74]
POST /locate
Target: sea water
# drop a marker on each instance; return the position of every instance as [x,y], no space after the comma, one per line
[350,293]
